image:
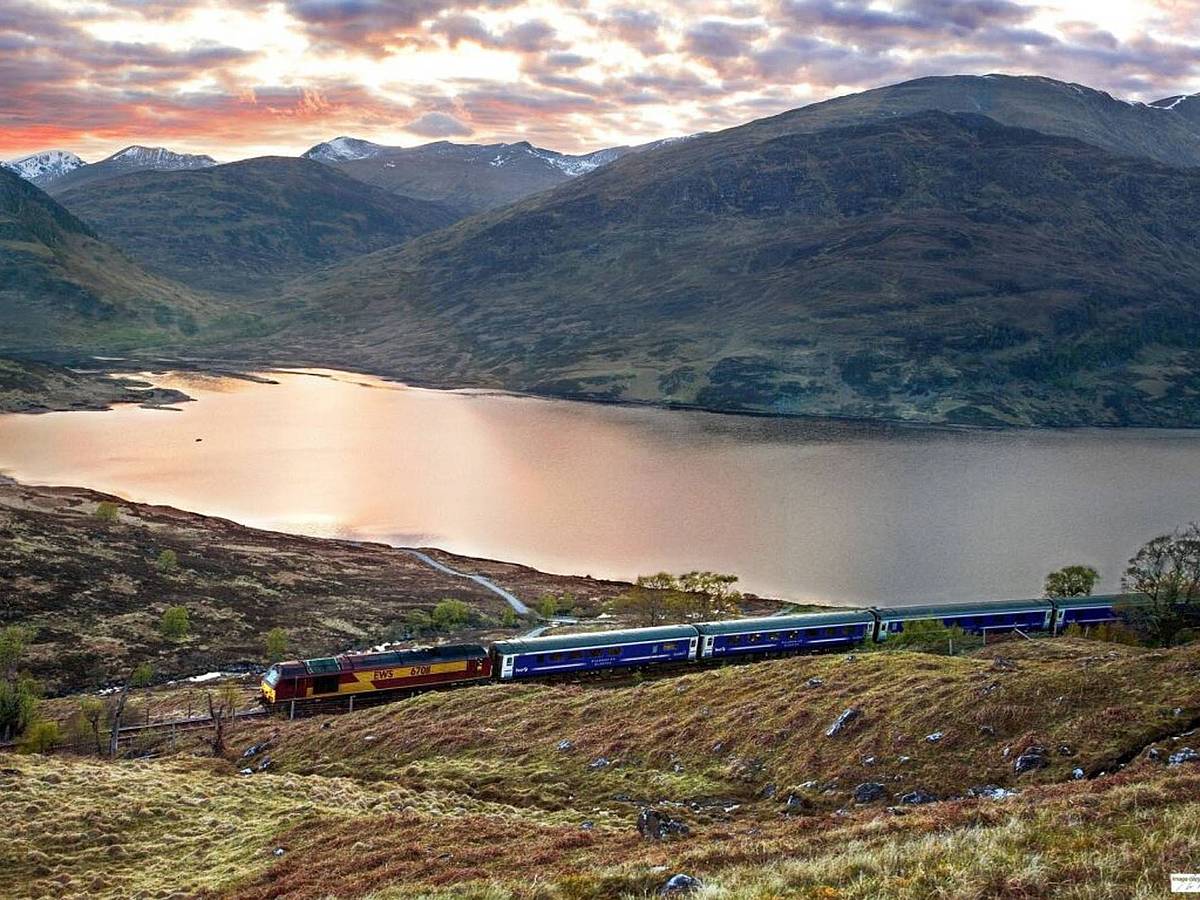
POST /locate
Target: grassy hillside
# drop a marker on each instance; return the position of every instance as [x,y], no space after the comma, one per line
[934,267]
[1168,135]
[473,793]
[62,287]
[94,590]
[244,226]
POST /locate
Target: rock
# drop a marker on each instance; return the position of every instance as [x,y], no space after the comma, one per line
[325,726]
[903,759]
[278,851]
[850,657]
[564,745]
[600,762]
[255,749]
[796,804]
[1003,665]
[246,772]
[990,792]
[369,738]
[655,825]
[988,730]
[677,767]
[1065,750]
[840,723]
[809,785]
[718,747]
[868,761]
[934,738]
[815,682]
[265,764]
[1033,758]
[1078,773]
[1154,754]
[914,798]
[768,791]
[587,826]
[1184,755]
[679,884]
[869,792]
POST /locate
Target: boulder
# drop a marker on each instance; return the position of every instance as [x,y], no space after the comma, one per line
[869,792]
[679,884]
[255,749]
[935,737]
[815,682]
[840,723]
[990,792]
[796,804]
[564,745]
[914,798]
[1185,755]
[264,764]
[656,825]
[600,762]
[1078,774]
[1033,758]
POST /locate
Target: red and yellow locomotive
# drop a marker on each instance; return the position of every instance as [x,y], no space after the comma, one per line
[353,674]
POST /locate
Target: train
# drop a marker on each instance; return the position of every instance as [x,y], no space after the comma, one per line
[350,675]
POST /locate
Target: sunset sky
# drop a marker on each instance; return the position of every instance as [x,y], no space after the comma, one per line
[242,78]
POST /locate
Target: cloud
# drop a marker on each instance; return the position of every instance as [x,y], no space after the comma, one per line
[232,77]
[439,125]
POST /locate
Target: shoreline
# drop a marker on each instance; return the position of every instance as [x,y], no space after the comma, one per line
[124,367]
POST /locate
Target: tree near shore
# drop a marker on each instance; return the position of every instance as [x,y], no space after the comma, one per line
[1166,574]
[693,596]
[1071,581]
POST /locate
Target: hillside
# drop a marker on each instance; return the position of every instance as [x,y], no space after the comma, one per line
[934,267]
[62,287]
[468,177]
[534,791]
[243,226]
[101,594]
[1166,131]
[135,158]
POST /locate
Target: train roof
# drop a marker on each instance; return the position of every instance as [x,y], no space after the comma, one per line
[782,623]
[940,610]
[550,643]
[352,662]
[1098,600]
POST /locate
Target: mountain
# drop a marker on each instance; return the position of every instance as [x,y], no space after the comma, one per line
[62,287]
[131,159]
[42,168]
[1167,130]
[246,225]
[935,267]
[470,177]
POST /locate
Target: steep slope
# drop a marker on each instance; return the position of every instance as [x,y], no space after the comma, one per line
[470,177]
[1166,131]
[935,267]
[131,159]
[61,287]
[42,168]
[246,225]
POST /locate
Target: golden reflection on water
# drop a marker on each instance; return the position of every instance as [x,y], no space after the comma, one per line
[804,510]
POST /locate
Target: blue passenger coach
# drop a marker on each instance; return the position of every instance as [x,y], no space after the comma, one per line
[564,654]
[973,618]
[1084,611]
[785,634]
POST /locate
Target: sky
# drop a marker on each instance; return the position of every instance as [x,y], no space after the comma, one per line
[243,78]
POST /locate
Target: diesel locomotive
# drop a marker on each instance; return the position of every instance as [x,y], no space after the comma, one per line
[660,647]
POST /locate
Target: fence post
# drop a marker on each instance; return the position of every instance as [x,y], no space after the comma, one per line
[292,710]
[351,703]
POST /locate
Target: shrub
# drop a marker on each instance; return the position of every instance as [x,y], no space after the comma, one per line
[144,673]
[18,705]
[175,623]
[41,736]
[509,618]
[547,606]
[450,614]
[276,644]
[107,511]
[167,562]
[928,637]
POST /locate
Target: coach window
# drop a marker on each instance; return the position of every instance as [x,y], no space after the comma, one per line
[614,651]
[669,646]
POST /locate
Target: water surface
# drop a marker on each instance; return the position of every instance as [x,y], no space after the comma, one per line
[804,510]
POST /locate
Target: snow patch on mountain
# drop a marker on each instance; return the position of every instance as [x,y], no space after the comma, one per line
[139,157]
[46,166]
[343,149]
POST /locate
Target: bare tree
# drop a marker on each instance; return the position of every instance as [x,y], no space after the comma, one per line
[1166,575]
[118,711]
[221,710]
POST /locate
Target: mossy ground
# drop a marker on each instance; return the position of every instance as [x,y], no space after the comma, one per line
[467,793]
